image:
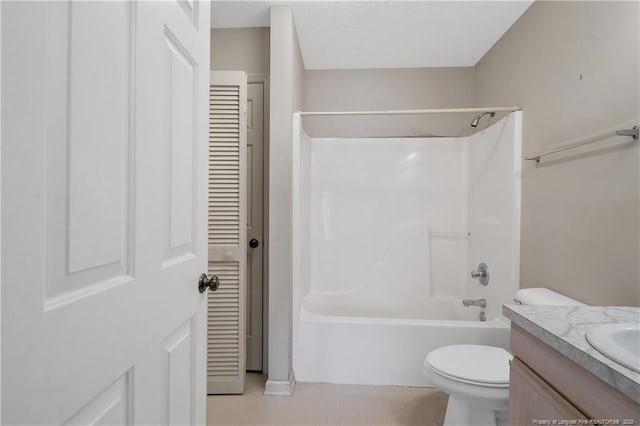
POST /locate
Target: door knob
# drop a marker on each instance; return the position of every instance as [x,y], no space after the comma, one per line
[253,243]
[206,282]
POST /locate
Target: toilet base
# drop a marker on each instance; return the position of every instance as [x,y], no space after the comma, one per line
[460,413]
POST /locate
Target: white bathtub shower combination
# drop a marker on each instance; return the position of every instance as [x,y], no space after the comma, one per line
[385,233]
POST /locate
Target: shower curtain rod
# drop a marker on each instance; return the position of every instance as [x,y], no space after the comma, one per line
[414,111]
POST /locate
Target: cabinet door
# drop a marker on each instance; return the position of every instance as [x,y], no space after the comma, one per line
[531,398]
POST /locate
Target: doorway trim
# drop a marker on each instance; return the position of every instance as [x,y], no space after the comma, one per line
[1,221]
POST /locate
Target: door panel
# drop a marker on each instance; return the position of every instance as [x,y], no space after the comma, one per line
[82,211]
[183,143]
[111,407]
[104,166]
[255,161]
[178,375]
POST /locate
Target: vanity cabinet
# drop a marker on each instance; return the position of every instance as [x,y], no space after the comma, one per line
[531,398]
[545,386]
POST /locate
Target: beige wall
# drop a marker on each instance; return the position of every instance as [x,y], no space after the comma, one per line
[383,89]
[240,49]
[574,68]
[286,79]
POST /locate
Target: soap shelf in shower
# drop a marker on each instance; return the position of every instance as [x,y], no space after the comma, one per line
[449,235]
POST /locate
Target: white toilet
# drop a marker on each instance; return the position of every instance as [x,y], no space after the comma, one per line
[476,377]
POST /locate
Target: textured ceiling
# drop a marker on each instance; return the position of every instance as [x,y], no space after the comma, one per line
[383,34]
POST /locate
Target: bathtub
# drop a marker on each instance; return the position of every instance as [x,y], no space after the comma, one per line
[350,345]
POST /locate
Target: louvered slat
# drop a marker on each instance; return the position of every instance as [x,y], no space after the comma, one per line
[224,182]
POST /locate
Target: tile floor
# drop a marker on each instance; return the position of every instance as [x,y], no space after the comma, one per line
[327,404]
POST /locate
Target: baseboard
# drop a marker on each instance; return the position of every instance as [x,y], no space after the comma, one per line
[280,387]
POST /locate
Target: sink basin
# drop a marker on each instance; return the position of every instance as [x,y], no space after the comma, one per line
[619,342]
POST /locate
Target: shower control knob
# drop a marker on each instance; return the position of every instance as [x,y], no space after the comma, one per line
[481,274]
[206,282]
[253,243]
[477,274]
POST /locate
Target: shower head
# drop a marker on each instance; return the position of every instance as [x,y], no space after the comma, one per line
[475,121]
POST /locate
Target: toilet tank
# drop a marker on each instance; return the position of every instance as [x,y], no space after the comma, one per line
[544,296]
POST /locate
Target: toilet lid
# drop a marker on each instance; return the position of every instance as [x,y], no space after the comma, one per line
[472,363]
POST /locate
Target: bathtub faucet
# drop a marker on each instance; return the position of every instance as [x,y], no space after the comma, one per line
[475,302]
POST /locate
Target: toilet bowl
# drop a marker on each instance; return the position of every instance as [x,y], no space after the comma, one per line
[476,377]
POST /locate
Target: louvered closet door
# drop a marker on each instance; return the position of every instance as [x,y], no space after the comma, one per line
[227,245]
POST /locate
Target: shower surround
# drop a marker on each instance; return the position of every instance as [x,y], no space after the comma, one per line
[385,233]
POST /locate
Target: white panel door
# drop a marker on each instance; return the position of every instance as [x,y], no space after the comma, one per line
[104,185]
[255,187]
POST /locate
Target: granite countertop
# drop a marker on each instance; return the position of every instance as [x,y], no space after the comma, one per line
[564,328]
